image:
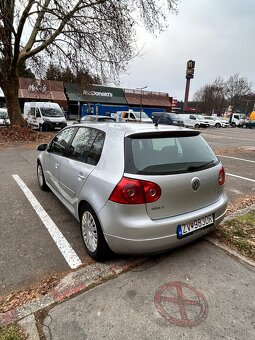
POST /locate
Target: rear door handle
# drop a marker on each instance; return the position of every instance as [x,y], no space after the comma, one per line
[56,165]
[80,177]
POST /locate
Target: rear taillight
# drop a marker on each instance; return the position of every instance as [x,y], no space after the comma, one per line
[221,178]
[135,191]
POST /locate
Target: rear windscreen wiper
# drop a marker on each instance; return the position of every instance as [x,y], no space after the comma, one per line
[199,167]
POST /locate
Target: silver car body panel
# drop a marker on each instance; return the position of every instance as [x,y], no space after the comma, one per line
[129,228]
[136,228]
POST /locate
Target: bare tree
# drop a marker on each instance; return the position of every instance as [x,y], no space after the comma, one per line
[211,97]
[236,88]
[96,34]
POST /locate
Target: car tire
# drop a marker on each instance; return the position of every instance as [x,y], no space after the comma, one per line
[217,125]
[244,126]
[197,126]
[92,235]
[233,125]
[41,179]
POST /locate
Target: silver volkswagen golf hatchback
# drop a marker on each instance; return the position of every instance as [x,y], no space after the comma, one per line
[134,188]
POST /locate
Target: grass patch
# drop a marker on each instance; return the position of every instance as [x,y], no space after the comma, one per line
[12,332]
[239,234]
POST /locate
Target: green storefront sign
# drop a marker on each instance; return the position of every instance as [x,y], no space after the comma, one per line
[95,94]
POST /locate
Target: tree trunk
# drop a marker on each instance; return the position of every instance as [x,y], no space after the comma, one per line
[11,92]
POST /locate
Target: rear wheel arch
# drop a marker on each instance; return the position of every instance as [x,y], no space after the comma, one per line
[102,250]
[82,205]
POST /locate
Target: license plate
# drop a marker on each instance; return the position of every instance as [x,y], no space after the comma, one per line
[189,227]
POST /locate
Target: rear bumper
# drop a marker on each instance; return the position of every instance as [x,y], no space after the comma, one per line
[137,234]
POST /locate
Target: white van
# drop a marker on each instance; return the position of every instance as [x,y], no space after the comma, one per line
[195,121]
[132,116]
[44,115]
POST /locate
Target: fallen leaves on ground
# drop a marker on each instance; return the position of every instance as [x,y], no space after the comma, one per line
[16,134]
[21,297]
[241,202]
[233,150]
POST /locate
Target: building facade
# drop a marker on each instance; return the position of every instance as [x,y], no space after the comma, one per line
[79,100]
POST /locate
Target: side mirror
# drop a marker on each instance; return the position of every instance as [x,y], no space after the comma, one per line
[42,147]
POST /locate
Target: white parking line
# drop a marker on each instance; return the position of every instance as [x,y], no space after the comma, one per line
[239,159]
[69,254]
[245,178]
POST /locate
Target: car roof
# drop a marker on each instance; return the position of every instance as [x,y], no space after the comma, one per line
[132,128]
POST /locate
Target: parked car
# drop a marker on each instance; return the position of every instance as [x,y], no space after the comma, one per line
[216,121]
[248,124]
[135,188]
[195,121]
[131,116]
[166,118]
[4,118]
[94,118]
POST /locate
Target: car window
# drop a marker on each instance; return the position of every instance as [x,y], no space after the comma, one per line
[167,155]
[87,145]
[59,144]
[32,111]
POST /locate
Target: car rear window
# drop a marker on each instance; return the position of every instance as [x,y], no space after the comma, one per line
[158,154]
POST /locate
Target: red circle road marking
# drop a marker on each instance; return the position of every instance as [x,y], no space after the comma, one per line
[172,295]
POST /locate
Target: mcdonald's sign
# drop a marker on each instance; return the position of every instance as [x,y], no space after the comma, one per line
[190,69]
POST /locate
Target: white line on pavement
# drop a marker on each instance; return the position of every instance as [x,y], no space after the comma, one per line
[239,159]
[69,254]
[245,178]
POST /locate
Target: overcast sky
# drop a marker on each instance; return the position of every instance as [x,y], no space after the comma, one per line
[217,34]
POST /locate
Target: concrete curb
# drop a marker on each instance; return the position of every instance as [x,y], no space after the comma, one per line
[72,284]
[230,251]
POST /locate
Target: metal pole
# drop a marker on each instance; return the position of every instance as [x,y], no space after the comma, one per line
[141,105]
[185,105]
[141,100]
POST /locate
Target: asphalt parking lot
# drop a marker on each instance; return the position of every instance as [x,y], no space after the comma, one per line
[28,251]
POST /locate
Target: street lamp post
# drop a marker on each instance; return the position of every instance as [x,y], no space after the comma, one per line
[141,100]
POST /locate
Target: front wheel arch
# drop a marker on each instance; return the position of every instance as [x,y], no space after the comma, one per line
[41,178]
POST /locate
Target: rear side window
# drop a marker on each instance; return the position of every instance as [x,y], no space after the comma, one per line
[167,155]
[59,144]
[87,145]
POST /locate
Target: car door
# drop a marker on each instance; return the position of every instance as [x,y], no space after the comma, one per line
[55,154]
[83,155]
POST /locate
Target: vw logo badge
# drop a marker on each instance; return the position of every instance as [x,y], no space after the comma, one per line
[195,184]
